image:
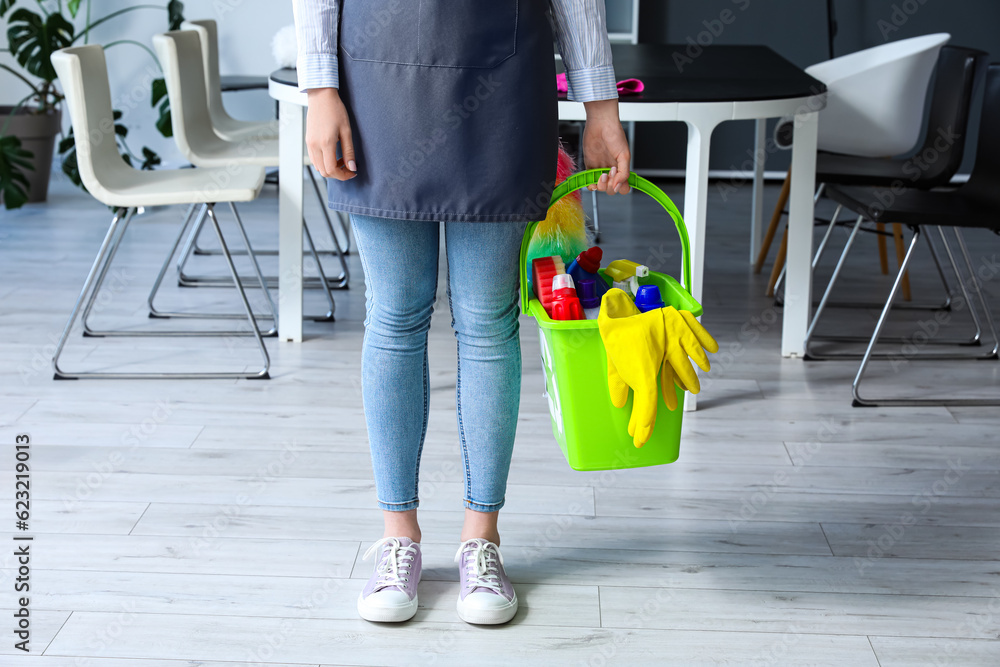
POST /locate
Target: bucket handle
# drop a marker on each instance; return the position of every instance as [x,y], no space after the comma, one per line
[589,177]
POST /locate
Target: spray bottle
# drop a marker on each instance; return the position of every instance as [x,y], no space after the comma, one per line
[626,274]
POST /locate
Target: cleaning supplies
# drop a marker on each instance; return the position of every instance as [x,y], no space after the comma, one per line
[585,266]
[563,232]
[635,344]
[586,290]
[565,303]
[648,298]
[685,337]
[641,345]
[543,270]
[625,275]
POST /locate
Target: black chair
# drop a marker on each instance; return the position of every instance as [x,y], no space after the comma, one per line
[973,205]
[932,165]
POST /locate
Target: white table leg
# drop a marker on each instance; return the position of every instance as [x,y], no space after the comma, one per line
[798,277]
[696,209]
[757,215]
[291,155]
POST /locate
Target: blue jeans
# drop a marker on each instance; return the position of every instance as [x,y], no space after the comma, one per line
[400,261]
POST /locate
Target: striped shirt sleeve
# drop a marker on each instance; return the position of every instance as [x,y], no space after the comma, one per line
[316,31]
[581,31]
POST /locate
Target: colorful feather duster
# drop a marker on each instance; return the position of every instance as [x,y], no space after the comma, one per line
[563,232]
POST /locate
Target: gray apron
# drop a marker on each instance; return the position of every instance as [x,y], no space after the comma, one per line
[453,109]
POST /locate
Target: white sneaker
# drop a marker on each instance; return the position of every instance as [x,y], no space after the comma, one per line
[390,596]
[486,595]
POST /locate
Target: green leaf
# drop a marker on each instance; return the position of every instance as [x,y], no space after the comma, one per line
[127,158]
[164,123]
[73,6]
[33,40]
[159,91]
[175,14]
[14,160]
[5,6]
[150,159]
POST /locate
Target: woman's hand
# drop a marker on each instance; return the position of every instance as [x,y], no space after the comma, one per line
[605,145]
[326,124]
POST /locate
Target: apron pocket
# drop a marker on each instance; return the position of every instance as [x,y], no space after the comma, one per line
[444,33]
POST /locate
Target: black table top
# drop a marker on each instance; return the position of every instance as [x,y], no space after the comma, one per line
[672,73]
[235,82]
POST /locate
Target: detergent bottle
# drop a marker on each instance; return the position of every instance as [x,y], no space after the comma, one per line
[543,270]
[648,298]
[585,267]
[625,275]
[565,303]
[586,291]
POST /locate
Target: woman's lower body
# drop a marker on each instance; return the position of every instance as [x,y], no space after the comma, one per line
[400,261]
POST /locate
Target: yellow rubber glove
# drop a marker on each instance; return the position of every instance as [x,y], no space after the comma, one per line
[685,337]
[635,343]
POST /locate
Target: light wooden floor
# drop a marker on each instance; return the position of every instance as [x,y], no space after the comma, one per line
[221,523]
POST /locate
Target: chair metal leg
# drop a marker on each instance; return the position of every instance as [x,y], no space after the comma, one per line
[346,247]
[345,272]
[860,401]
[158,314]
[99,282]
[983,302]
[96,268]
[937,342]
[819,251]
[185,280]
[977,337]
[92,285]
[866,359]
[326,286]
[833,281]
[341,250]
[597,216]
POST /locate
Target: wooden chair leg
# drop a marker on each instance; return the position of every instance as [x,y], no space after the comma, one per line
[897,233]
[779,263]
[883,255]
[779,209]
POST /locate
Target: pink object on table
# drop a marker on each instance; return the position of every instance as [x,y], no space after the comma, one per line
[625,87]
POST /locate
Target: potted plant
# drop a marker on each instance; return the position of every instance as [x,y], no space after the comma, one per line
[28,128]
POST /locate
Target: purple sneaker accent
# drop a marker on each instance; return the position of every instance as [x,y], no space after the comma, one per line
[486,595]
[391,593]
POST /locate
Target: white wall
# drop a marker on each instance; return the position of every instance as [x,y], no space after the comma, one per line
[245,31]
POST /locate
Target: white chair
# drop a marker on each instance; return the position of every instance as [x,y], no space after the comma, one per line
[83,74]
[232,129]
[180,55]
[875,108]
[875,100]
[225,126]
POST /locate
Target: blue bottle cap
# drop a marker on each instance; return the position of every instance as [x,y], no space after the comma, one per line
[586,291]
[648,298]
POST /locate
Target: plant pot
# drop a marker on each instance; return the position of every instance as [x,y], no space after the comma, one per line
[37,132]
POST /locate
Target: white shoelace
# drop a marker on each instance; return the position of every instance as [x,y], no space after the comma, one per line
[481,568]
[394,570]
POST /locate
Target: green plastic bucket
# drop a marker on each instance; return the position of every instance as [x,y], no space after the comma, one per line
[592,433]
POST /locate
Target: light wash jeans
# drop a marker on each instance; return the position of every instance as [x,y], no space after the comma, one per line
[400,261]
